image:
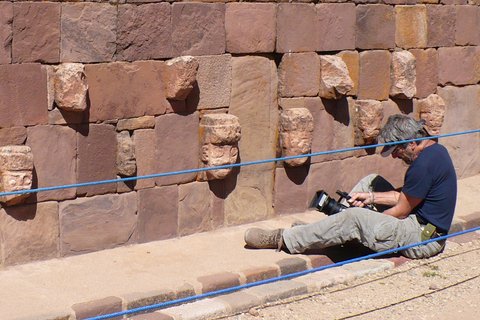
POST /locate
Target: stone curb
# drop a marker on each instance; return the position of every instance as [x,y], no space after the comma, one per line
[243,300]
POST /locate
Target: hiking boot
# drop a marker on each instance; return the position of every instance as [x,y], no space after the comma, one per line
[264,239]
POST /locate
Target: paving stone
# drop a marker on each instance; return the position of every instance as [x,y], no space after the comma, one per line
[250,27]
[36,32]
[260,273]
[151,316]
[219,281]
[278,290]
[144,31]
[6,20]
[202,309]
[411,26]
[398,261]
[465,238]
[441,25]
[472,220]
[291,265]
[426,64]
[239,301]
[319,260]
[366,267]
[98,308]
[336,26]
[374,82]
[141,299]
[60,141]
[88,32]
[459,65]
[198,28]
[466,31]
[293,34]
[325,278]
[369,35]
[299,75]
[23,98]
[12,136]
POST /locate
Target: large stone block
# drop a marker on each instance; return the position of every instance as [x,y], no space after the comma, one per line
[296,130]
[214,80]
[250,27]
[144,31]
[369,34]
[172,131]
[70,87]
[254,102]
[122,90]
[145,122]
[88,32]
[403,74]
[374,82]
[144,140]
[180,77]
[291,190]
[198,28]
[23,95]
[459,65]
[336,26]
[426,62]
[157,213]
[29,233]
[368,120]
[97,223]
[36,32]
[432,110]
[335,82]
[299,74]
[96,158]
[12,136]
[196,208]
[441,26]
[126,162]
[296,34]
[464,149]
[411,26]
[352,60]
[466,27]
[54,151]
[6,20]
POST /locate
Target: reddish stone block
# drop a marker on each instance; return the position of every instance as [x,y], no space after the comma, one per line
[98,308]
[441,26]
[319,260]
[144,31]
[250,27]
[219,281]
[398,261]
[96,160]
[173,130]
[198,28]
[375,79]
[60,141]
[122,90]
[23,95]
[145,154]
[291,265]
[36,32]
[29,233]
[369,34]
[153,315]
[291,190]
[88,32]
[459,65]
[97,223]
[336,26]
[260,273]
[13,136]
[295,34]
[6,20]
[157,213]
[466,27]
[299,75]
[427,71]
[140,299]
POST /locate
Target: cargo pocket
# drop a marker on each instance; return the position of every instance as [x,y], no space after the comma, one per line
[385,235]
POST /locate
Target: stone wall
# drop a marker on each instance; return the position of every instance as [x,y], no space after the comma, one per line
[124,108]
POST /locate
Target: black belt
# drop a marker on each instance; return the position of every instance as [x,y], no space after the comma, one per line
[437,233]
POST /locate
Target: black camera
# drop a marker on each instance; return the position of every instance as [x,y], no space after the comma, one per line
[323,203]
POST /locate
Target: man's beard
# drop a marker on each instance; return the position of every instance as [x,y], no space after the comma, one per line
[408,158]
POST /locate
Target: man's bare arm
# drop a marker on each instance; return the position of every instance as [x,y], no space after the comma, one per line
[404,206]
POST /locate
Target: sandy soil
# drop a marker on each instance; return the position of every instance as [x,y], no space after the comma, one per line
[443,287]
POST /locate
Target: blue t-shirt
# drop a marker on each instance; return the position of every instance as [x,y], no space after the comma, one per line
[432,177]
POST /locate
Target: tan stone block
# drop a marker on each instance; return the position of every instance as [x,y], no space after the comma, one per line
[411,26]
[296,129]
[126,161]
[145,122]
[250,27]
[299,74]
[403,74]
[16,173]
[29,233]
[368,120]
[374,82]
[181,75]
[426,62]
[352,60]
[144,139]
[70,87]
[335,82]
[432,110]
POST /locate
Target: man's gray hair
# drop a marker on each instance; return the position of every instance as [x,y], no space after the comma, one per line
[401,127]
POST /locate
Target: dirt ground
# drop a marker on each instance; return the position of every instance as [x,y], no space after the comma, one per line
[443,287]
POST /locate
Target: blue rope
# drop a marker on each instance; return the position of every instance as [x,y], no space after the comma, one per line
[227,166]
[271,280]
